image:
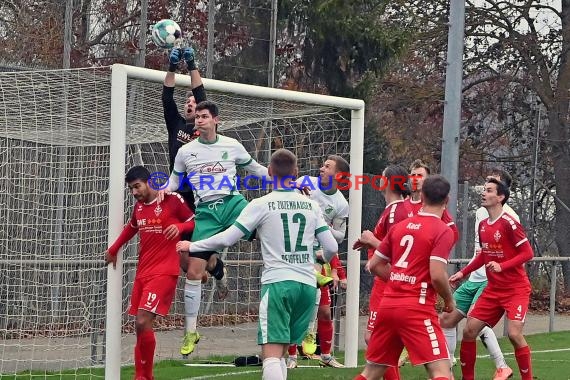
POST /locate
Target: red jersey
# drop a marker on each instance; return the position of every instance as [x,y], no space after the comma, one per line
[394,213]
[447,219]
[413,206]
[157,255]
[416,206]
[502,240]
[409,247]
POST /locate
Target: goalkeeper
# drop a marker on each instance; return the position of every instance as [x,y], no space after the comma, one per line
[182,130]
[288,224]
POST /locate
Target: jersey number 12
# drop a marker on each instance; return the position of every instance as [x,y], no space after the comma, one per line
[299,219]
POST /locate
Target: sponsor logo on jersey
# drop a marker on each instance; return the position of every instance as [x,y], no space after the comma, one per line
[212,168]
[225,155]
[185,137]
[414,226]
[402,277]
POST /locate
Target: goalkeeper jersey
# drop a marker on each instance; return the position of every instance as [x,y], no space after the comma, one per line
[212,167]
[332,203]
[287,224]
[180,130]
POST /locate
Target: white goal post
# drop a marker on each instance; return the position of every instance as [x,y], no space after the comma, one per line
[121,74]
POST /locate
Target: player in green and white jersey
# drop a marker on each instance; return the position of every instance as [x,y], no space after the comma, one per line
[210,163]
[324,190]
[287,224]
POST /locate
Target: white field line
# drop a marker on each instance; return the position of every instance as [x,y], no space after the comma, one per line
[215,376]
[532,352]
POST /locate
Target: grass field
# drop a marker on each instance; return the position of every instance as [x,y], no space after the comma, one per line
[551,361]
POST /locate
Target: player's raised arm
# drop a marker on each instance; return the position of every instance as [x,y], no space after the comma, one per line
[168,104]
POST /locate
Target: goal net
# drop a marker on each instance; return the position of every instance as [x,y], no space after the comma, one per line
[62,186]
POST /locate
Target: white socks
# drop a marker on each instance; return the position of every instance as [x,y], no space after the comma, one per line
[284,368]
[489,339]
[272,369]
[451,339]
[315,312]
[192,299]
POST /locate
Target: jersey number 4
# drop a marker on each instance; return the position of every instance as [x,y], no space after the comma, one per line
[407,241]
[299,219]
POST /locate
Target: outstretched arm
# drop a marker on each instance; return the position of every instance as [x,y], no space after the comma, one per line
[127,234]
[214,243]
[255,168]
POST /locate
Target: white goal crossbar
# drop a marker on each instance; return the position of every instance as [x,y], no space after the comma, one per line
[119,80]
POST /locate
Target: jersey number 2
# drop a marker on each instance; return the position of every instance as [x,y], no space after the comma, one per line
[407,241]
[302,221]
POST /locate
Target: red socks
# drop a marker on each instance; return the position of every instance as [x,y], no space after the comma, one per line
[144,354]
[325,329]
[467,356]
[292,349]
[360,377]
[440,378]
[392,373]
[523,360]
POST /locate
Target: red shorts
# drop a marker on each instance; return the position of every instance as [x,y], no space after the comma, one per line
[325,299]
[491,306]
[153,294]
[374,303]
[418,330]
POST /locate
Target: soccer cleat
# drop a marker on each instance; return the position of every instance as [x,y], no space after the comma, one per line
[503,373]
[309,344]
[189,343]
[291,363]
[332,362]
[323,280]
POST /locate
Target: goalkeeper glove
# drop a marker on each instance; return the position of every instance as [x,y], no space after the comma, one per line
[174,59]
[189,58]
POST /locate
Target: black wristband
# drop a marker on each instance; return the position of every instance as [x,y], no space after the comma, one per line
[191,65]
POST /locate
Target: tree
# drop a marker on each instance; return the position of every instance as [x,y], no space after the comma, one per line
[516,47]
[333,45]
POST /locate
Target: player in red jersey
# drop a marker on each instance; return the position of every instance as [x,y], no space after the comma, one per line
[412,258]
[159,227]
[419,171]
[395,211]
[504,250]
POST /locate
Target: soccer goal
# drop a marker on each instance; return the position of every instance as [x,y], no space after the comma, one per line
[67,138]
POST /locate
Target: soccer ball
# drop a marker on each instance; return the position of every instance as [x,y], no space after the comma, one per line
[166,33]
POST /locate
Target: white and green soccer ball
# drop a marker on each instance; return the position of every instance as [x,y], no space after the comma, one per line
[166,33]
